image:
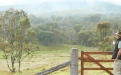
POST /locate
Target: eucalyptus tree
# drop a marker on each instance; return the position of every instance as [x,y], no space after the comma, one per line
[105,33]
[103,29]
[15,36]
[106,44]
[84,37]
[48,33]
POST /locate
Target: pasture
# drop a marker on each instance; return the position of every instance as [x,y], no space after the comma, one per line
[47,57]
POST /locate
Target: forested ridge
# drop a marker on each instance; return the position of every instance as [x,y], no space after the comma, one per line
[88,30]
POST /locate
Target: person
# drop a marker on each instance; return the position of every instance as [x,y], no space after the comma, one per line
[117,54]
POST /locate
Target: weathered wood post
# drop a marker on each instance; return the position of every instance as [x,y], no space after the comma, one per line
[74,61]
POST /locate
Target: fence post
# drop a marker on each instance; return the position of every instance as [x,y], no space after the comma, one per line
[74,61]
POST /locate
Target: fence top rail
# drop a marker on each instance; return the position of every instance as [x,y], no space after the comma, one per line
[97,52]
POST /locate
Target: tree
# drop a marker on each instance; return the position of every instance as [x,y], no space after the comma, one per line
[77,28]
[48,34]
[106,44]
[84,37]
[103,29]
[105,39]
[15,36]
[93,18]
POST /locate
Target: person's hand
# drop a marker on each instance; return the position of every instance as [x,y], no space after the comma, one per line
[116,60]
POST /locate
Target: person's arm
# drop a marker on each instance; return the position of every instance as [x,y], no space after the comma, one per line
[119,52]
[118,55]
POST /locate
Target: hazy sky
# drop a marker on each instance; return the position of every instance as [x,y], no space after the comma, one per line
[12,2]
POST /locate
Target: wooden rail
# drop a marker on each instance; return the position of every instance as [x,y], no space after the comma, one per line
[53,69]
[89,58]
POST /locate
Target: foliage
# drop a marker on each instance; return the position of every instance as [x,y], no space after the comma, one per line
[87,30]
[69,29]
[16,37]
[48,34]
[85,38]
[106,44]
[103,29]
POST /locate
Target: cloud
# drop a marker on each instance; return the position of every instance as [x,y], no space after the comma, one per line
[13,2]
[116,1]
[113,1]
[6,2]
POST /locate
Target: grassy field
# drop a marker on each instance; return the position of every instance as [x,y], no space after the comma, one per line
[47,57]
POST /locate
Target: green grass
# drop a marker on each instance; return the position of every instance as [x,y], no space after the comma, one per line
[1,55]
[47,57]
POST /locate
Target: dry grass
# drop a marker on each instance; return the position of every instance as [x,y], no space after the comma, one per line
[49,57]
[39,62]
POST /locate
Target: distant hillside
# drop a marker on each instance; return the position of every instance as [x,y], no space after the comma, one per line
[67,7]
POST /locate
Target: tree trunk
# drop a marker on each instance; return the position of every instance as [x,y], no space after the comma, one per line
[13,61]
[19,66]
[12,57]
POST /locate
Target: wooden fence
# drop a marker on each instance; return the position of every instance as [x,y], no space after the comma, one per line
[53,69]
[86,57]
[73,62]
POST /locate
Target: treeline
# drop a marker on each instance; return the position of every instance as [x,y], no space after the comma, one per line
[87,30]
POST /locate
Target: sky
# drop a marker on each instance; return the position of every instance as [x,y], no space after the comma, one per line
[13,2]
